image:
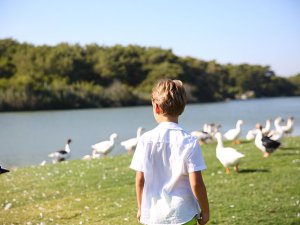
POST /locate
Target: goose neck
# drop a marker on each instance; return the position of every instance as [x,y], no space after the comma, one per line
[112,139]
[220,143]
[268,125]
[139,133]
[67,148]
[258,135]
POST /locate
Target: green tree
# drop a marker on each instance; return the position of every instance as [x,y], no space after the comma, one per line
[73,76]
[295,80]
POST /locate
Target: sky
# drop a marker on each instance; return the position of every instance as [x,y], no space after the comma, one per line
[264,32]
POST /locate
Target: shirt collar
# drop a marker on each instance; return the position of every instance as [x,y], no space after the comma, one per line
[169,125]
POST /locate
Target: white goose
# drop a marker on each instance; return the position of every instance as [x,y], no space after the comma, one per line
[63,154]
[207,133]
[211,128]
[105,147]
[95,155]
[251,134]
[234,134]
[131,143]
[276,134]
[202,136]
[288,128]
[267,127]
[226,155]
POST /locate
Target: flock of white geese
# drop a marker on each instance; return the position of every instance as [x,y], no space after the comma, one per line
[99,150]
[265,138]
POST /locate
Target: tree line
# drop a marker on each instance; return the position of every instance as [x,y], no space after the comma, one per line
[68,76]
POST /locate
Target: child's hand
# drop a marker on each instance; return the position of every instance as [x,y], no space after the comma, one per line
[138,215]
[204,217]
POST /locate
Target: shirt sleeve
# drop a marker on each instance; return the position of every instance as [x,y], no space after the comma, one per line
[138,158]
[195,160]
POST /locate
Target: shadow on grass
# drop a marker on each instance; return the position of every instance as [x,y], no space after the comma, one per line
[254,171]
[287,151]
[289,148]
[296,223]
[285,154]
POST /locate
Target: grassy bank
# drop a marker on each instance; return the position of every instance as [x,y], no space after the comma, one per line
[266,191]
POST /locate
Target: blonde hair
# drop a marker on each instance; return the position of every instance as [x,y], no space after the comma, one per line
[170,96]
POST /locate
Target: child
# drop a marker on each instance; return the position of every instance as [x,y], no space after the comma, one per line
[168,163]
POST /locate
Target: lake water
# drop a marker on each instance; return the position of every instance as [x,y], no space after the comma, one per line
[26,138]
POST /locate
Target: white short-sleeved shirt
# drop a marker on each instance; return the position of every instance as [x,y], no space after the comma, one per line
[166,155]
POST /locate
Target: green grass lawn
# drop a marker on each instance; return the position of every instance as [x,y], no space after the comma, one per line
[265,191]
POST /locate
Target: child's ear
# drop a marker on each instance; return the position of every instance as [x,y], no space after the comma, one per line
[157,109]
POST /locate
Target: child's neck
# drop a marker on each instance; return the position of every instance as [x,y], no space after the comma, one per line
[167,118]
